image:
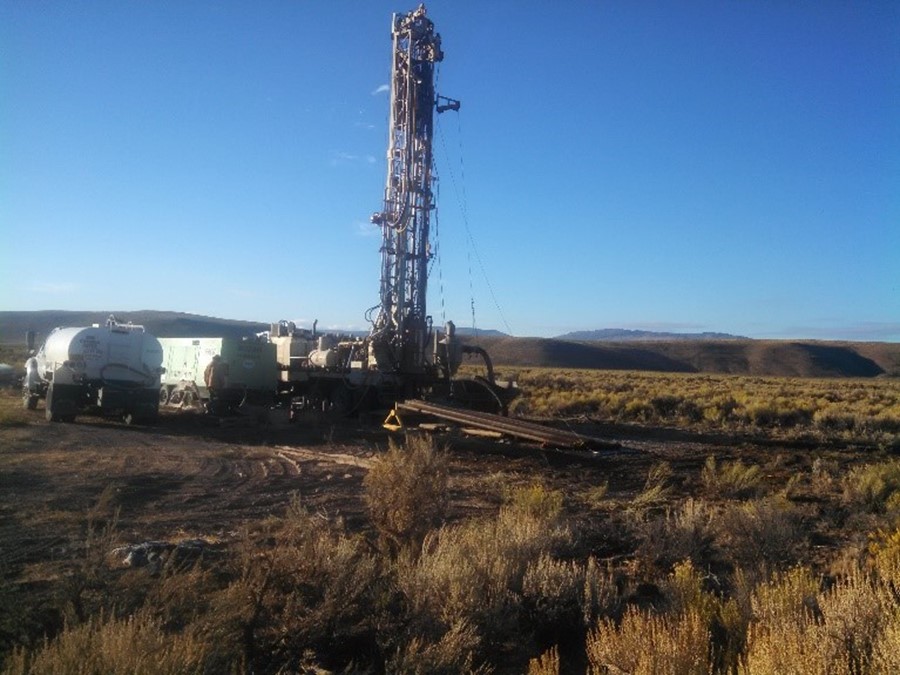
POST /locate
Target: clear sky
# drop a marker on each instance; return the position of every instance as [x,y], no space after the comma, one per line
[688,166]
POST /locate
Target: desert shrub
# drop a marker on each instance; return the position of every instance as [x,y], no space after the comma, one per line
[599,596]
[886,651]
[545,664]
[406,492]
[727,619]
[135,645]
[855,612]
[834,420]
[562,596]
[763,415]
[474,572]
[884,556]
[783,603]
[535,501]
[775,405]
[822,475]
[691,411]
[450,654]
[656,487]
[553,592]
[686,532]
[595,496]
[720,409]
[884,422]
[786,596]
[798,630]
[872,485]
[638,410]
[301,582]
[760,534]
[732,479]
[667,405]
[650,644]
[685,591]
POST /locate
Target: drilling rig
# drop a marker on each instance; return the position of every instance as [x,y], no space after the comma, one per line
[403,356]
[402,325]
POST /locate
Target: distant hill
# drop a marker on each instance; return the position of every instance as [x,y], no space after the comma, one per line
[486,332]
[625,335]
[735,356]
[14,325]
[739,356]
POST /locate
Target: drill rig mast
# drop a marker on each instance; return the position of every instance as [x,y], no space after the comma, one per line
[400,333]
[403,356]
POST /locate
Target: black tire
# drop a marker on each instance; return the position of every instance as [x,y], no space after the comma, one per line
[49,414]
[30,401]
[52,412]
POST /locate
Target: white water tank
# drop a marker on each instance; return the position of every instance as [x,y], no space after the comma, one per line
[114,352]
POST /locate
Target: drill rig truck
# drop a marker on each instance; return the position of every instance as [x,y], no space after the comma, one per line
[404,355]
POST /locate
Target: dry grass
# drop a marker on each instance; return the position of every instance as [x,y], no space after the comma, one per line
[644,643]
[732,480]
[545,664]
[136,644]
[849,628]
[451,654]
[12,413]
[873,485]
[656,488]
[761,534]
[848,409]
[474,572]
[686,531]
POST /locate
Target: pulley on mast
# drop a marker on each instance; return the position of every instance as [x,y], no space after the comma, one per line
[400,333]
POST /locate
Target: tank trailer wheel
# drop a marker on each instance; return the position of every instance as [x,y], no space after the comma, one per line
[56,417]
[29,400]
[49,415]
[51,412]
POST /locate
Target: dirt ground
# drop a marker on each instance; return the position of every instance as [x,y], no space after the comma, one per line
[188,477]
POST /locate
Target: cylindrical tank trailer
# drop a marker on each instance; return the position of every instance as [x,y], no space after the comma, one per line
[112,370]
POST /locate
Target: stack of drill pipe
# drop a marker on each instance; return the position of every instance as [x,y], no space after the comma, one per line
[512,427]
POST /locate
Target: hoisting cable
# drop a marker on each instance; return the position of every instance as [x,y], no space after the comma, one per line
[437,249]
[461,201]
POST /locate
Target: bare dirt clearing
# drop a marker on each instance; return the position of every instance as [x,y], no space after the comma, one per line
[187,478]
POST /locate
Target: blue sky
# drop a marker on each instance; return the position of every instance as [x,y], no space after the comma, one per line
[691,166]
